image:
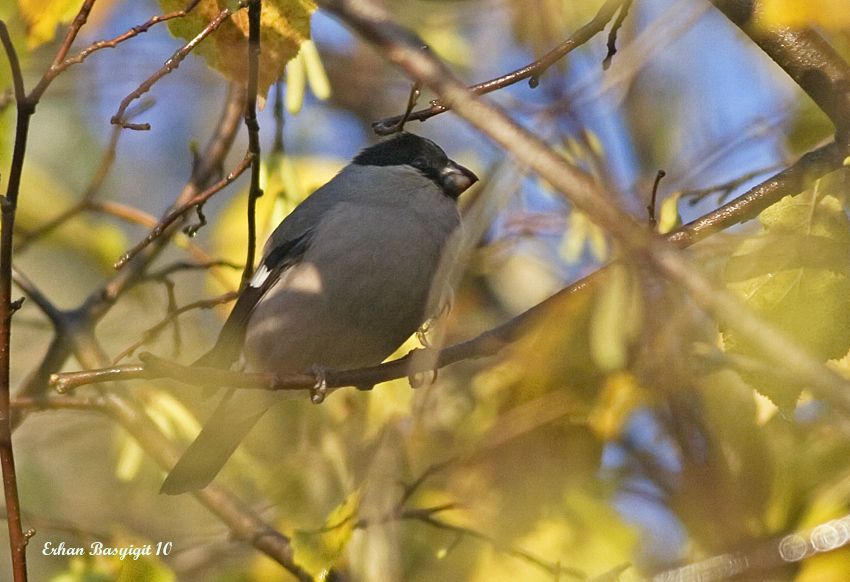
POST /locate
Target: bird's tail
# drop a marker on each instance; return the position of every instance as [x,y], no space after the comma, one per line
[229,424]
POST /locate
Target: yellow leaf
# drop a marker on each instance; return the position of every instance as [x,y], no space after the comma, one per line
[318,551]
[44,16]
[830,14]
[285,24]
[296,84]
[668,218]
[317,77]
[616,319]
[130,457]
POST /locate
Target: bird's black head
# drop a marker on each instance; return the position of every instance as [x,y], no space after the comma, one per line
[406,149]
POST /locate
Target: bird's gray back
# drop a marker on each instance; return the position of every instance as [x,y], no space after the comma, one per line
[314,315]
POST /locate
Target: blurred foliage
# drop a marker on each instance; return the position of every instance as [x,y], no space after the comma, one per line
[87,236]
[796,275]
[623,434]
[318,551]
[305,69]
[43,17]
[829,14]
[113,568]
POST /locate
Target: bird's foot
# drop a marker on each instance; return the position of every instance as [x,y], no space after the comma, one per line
[320,389]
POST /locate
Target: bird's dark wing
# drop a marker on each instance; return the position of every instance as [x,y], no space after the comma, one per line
[231,337]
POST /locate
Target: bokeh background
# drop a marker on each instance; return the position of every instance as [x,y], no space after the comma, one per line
[612,441]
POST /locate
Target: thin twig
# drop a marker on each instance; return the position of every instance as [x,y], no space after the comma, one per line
[8,205]
[181,210]
[170,65]
[153,332]
[185,266]
[254,191]
[114,42]
[53,313]
[279,120]
[70,36]
[725,189]
[415,92]
[612,34]
[554,568]
[650,208]
[532,71]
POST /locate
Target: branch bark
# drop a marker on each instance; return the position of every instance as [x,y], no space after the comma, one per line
[8,207]
[531,71]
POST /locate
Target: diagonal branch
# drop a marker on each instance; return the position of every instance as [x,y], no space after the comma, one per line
[254,191]
[62,62]
[532,71]
[170,65]
[178,213]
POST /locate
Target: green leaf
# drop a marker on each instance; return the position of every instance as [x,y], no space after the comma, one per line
[795,274]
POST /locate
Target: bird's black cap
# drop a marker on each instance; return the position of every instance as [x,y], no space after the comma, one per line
[407,149]
[403,149]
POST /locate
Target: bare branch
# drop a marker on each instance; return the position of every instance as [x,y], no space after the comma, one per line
[18,539]
[181,210]
[788,182]
[612,34]
[114,42]
[153,332]
[532,71]
[170,65]
[254,191]
[53,313]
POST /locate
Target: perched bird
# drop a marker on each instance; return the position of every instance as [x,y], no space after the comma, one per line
[344,280]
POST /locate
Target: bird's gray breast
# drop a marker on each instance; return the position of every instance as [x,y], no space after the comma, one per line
[363,284]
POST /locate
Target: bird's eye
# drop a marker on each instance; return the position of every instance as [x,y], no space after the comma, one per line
[419,163]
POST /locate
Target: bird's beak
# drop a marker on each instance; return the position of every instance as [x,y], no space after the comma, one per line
[455,179]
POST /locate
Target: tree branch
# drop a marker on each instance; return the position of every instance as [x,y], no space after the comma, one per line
[788,182]
[254,191]
[8,207]
[170,65]
[532,71]
[178,213]
[61,63]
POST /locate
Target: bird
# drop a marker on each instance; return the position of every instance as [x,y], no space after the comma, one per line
[343,281]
